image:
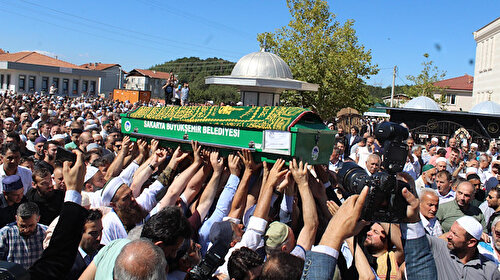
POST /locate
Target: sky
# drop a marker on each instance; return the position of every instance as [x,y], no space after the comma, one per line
[142,33]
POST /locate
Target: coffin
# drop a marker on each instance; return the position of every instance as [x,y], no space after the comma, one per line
[269,132]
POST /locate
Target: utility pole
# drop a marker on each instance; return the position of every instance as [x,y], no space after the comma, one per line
[393,81]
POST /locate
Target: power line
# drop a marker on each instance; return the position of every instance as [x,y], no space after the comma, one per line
[185,14]
[113,32]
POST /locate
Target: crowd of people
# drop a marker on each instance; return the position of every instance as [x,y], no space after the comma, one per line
[79,200]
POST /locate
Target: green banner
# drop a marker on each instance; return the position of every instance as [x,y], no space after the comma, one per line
[273,118]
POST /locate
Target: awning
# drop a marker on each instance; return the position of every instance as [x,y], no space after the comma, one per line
[377,114]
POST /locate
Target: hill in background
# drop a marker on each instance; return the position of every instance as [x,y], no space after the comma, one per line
[194,70]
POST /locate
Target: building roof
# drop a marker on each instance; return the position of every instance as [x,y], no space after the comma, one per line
[262,65]
[488,24]
[36,59]
[486,107]
[99,66]
[150,73]
[423,103]
[464,82]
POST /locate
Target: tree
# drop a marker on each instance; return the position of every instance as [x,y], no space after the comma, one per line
[424,82]
[320,50]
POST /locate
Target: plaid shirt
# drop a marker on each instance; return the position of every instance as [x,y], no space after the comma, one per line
[19,249]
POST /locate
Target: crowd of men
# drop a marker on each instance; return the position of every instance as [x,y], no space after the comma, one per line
[113,208]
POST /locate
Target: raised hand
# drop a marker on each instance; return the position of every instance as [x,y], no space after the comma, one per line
[234,165]
[413,208]
[74,176]
[276,173]
[177,157]
[299,172]
[216,162]
[250,166]
[196,152]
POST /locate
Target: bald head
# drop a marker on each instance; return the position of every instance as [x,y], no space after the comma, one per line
[140,259]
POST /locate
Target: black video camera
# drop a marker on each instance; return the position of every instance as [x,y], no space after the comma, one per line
[385,202]
[212,260]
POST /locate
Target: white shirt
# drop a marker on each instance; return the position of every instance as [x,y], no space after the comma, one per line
[432,227]
[362,154]
[487,211]
[251,238]
[112,228]
[23,172]
[445,198]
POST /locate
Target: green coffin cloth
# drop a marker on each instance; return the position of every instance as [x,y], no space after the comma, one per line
[273,118]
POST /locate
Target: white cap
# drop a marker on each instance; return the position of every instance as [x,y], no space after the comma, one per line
[10,119]
[28,130]
[68,123]
[473,145]
[239,103]
[471,170]
[471,225]
[91,171]
[89,127]
[58,136]
[440,159]
[435,139]
[110,190]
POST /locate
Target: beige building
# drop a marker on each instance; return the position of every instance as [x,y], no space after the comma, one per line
[458,93]
[487,71]
[141,79]
[30,72]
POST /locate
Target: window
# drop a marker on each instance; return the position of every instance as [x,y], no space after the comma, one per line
[92,87]
[45,83]
[65,86]
[85,86]
[55,81]
[8,80]
[75,86]
[31,84]
[1,81]
[451,99]
[22,82]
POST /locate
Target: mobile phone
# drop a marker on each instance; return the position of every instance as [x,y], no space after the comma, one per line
[65,155]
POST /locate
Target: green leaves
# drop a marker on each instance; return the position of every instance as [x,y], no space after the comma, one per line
[321,50]
[424,82]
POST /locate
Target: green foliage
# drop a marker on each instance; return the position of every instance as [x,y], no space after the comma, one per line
[376,93]
[320,50]
[194,70]
[424,82]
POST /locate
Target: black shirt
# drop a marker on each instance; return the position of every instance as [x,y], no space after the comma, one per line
[49,207]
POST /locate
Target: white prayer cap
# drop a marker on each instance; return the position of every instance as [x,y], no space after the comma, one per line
[471,170]
[440,159]
[434,139]
[28,130]
[91,171]
[110,189]
[239,103]
[68,123]
[473,145]
[58,136]
[89,127]
[10,119]
[471,225]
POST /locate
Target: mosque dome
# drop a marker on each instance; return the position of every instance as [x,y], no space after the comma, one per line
[262,65]
[422,103]
[486,107]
